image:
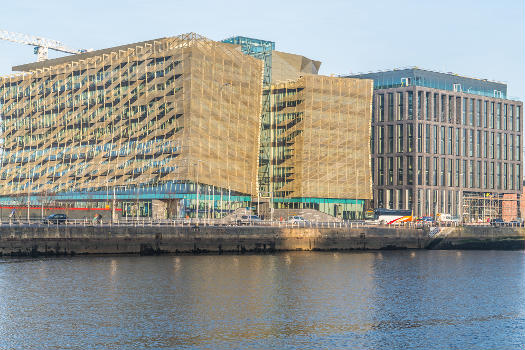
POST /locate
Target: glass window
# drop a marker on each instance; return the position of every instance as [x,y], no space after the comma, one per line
[491,149]
[511,147]
[485,115]
[410,96]
[427,171]
[458,172]
[457,142]
[498,146]
[381,139]
[505,146]
[458,110]
[517,146]
[419,105]
[390,106]
[427,138]
[478,144]
[420,170]
[435,140]
[486,144]
[491,175]
[449,173]
[390,145]
[504,117]
[471,112]
[380,171]
[381,103]
[485,177]
[478,178]
[436,107]
[390,177]
[478,113]
[400,110]
[420,138]
[498,176]
[465,140]
[442,141]
[380,199]
[399,196]
[410,170]
[400,138]
[471,174]
[511,118]
[443,108]
[427,103]
[498,116]
[491,125]
[518,121]
[410,137]
[505,176]
[518,177]
[471,143]
[451,117]
[511,177]
[399,171]
[464,111]
[435,172]
[465,174]
[442,172]
[450,136]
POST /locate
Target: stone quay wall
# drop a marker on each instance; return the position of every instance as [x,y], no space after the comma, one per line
[70,240]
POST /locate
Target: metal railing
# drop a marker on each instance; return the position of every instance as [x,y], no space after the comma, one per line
[202,222]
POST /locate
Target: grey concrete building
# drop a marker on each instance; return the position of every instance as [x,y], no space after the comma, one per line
[443,143]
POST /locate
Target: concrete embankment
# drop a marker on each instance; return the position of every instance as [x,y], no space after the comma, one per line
[70,240]
[479,237]
[62,240]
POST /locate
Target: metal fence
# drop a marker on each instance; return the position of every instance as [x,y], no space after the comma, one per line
[202,222]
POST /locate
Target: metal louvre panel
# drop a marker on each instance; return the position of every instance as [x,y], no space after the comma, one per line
[177,108]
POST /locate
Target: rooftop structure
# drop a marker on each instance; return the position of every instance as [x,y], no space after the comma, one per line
[437,80]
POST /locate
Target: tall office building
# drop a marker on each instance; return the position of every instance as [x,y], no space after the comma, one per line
[167,125]
[315,129]
[185,126]
[444,143]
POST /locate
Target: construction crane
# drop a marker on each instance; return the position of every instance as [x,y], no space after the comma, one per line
[41,45]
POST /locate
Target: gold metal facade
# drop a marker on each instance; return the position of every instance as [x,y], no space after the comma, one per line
[320,138]
[174,109]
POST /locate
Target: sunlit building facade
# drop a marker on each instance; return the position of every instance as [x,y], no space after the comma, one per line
[314,148]
[172,122]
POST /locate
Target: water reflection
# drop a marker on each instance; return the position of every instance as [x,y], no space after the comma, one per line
[366,300]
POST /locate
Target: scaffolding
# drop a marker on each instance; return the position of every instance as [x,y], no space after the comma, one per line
[484,206]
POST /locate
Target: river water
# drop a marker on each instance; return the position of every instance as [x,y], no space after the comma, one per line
[365,300]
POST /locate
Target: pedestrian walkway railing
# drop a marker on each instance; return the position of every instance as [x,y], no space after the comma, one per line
[203,222]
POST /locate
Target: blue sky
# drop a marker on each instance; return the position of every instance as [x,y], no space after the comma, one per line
[483,39]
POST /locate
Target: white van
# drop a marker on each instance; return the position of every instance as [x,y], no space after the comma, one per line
[447,218]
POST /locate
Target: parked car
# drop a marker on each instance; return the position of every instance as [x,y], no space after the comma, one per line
[447,218]
[426,220]
[297,220]
[55,219]
[248,220]
[518,222]
[497,222]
